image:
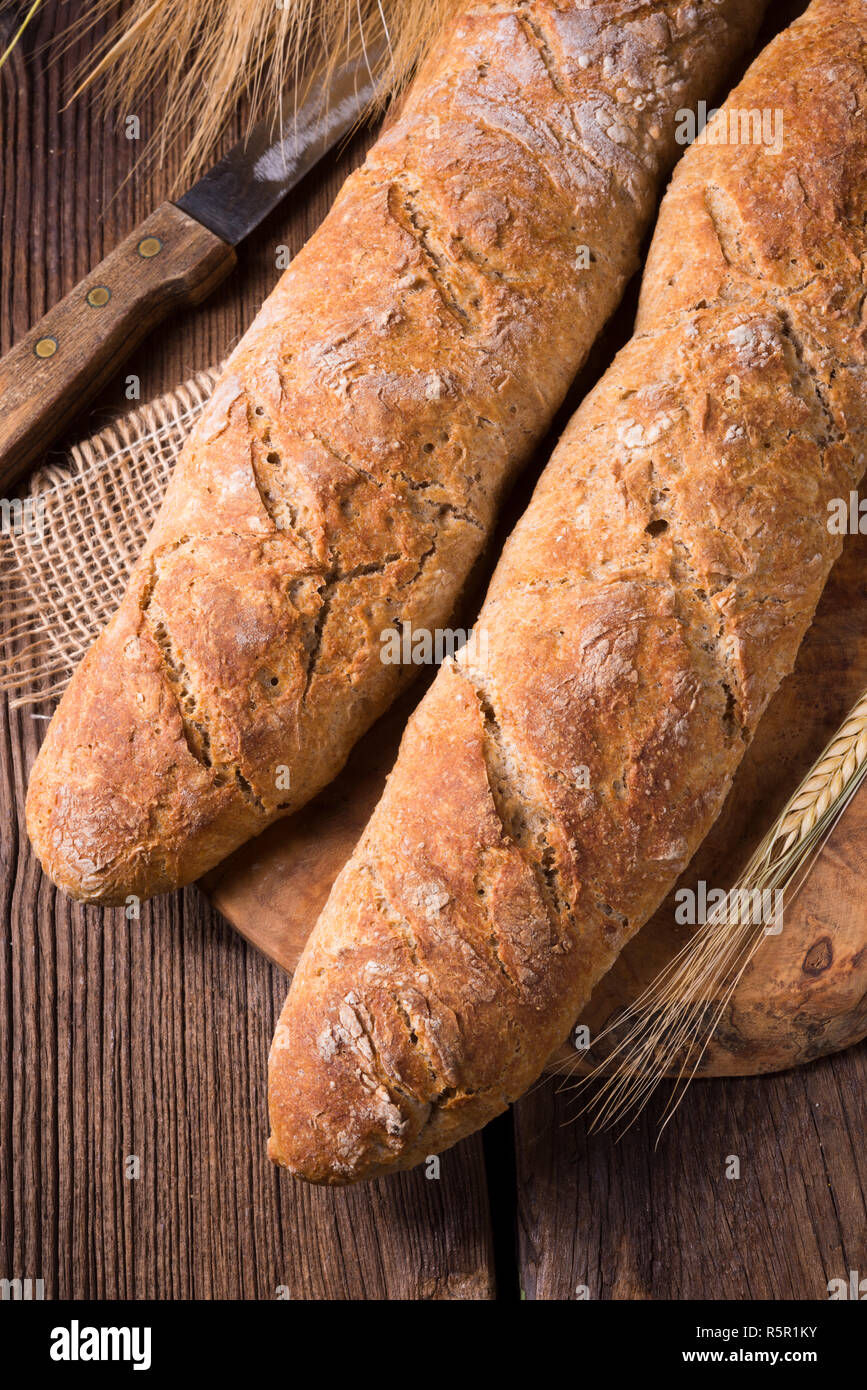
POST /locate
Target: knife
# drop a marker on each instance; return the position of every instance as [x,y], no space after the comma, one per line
[174,258]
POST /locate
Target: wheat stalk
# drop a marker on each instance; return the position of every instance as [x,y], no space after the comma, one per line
[31,11]
[207,60]
[671,1023]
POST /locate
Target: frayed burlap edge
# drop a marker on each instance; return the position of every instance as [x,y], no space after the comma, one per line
[67,548]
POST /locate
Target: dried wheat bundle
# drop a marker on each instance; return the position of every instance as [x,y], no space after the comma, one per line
[667,1029]
[207,59]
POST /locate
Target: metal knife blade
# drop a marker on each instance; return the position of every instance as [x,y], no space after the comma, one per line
[239,192]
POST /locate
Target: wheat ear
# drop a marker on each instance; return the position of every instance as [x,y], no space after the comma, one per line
[671,1023]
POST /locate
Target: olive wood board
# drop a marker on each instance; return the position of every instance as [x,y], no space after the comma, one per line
[805,992]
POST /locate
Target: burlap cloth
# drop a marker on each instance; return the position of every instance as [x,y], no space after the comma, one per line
[61,582]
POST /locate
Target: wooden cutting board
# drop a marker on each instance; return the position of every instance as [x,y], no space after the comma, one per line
[804,995]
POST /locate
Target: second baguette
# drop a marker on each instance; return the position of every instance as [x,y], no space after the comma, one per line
[644,611]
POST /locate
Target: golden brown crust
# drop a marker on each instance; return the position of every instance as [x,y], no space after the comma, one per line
[346,473]
[644,610]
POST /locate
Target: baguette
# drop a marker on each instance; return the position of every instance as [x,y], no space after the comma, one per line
[644,611]
[346,473]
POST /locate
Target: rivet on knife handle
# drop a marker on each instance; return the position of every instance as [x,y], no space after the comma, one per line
[169,260]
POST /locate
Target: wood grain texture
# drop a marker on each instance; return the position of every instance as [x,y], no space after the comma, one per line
[627,1220]
[150,1037]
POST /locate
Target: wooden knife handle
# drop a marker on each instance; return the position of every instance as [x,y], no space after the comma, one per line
[46,378]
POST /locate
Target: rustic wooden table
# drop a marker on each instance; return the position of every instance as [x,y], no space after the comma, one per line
[150,1038]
